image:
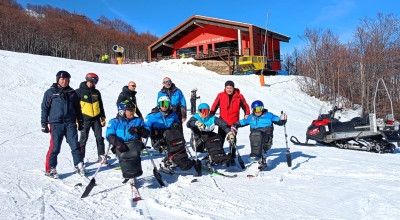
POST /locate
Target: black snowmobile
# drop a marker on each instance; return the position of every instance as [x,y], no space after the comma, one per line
[367,133]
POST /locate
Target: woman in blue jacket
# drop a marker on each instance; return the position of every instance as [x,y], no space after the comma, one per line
[261,129]
[125,132]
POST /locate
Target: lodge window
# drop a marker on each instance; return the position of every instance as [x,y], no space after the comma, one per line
[277,55]
[232,44]
[187,51]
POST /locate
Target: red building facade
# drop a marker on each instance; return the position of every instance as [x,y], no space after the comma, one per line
[201,35]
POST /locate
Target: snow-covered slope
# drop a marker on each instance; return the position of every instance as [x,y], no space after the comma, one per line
[323,183]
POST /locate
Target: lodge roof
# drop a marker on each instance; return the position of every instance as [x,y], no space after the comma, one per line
[196,21]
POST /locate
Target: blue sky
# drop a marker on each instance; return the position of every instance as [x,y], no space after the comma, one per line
[288,17]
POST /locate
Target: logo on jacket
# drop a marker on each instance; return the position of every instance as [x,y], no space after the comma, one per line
[252,118]
[85,97]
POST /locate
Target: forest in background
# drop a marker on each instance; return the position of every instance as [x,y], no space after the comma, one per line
[50,31]
[352,69]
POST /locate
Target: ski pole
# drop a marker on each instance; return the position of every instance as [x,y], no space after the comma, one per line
[92,182]
[288,155]
[156,174]
[198,162]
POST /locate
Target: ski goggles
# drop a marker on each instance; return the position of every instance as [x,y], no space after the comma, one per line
[93,80]
[168,81]
[204,111]
[163,104]
[258,109]
[128,107]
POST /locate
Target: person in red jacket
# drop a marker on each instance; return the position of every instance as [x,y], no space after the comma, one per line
[230,101]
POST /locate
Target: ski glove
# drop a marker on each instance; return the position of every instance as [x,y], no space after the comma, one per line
[122,148]
[45,128]
[200,126]
[133,130]
[103,121]
[230,137]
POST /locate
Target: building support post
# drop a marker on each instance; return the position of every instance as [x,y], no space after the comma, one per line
[240,41]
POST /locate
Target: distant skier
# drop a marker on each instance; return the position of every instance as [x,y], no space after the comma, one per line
[166,134]
[61,109]
[93,114]
[124,133]
[230,101]
[261,129]
[129,93]
[193,97]
[202,126]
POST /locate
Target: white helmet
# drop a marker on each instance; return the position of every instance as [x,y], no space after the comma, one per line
[164,98]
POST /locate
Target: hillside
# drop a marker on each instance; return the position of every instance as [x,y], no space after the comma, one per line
[323,183]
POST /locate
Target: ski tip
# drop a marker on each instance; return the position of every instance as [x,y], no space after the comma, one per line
[250,176]
[136,199]
[194,181]
[78,184]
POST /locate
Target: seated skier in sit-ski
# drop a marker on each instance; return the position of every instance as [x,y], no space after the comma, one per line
[261,129]
[202,125]
[125,132]
[166,135]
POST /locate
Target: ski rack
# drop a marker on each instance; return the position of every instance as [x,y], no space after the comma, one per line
[390,99]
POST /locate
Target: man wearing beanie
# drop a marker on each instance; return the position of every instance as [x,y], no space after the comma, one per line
[230,101]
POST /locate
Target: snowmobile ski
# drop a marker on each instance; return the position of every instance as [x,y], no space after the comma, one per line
[295,141]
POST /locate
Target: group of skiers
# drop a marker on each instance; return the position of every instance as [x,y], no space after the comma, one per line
[66,111]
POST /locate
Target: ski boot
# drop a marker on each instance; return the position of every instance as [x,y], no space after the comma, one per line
[80,169]
[52,173]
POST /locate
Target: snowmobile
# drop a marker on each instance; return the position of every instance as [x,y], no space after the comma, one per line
[367,133]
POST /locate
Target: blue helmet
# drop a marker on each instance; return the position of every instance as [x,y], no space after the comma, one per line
[204,106]
[257,103]
[125,105]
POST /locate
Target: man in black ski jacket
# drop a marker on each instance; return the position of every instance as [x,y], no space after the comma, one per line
[129,93]
[193,97]
[61,110]
[93,114]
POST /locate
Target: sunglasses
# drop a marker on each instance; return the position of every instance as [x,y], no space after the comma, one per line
[169,81]
[204,111]
[258,109]
[163,104]
[134,86]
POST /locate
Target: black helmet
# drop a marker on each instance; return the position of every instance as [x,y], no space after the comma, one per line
[62,74]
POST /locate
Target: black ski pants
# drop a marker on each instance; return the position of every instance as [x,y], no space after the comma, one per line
[193,106]
[232,149]
[96,127]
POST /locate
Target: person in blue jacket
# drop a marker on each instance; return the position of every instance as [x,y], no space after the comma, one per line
[166,134]
[261,129]
[178,102]
[62,111]
[124,133]
[202,125]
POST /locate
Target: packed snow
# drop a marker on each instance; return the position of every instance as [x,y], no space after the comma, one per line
[323,183]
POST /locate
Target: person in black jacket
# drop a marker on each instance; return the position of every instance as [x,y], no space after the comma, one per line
[193,97]
[60,110]
[93,114]
[129,93]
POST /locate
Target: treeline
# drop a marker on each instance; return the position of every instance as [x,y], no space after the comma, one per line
[56,32]
[351,70]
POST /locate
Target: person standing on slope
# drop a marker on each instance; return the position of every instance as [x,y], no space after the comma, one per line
[93,114]
[175,95]
[230,101]
[261,129]
[193,97]
[61,110]
[124,133]
[129,93]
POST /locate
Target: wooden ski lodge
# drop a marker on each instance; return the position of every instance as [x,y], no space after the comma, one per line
[211,38]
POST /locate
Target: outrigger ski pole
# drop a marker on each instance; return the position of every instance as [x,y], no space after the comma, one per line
[157,175]
[92,182]
[288,155]
[240,160]
[197,165]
